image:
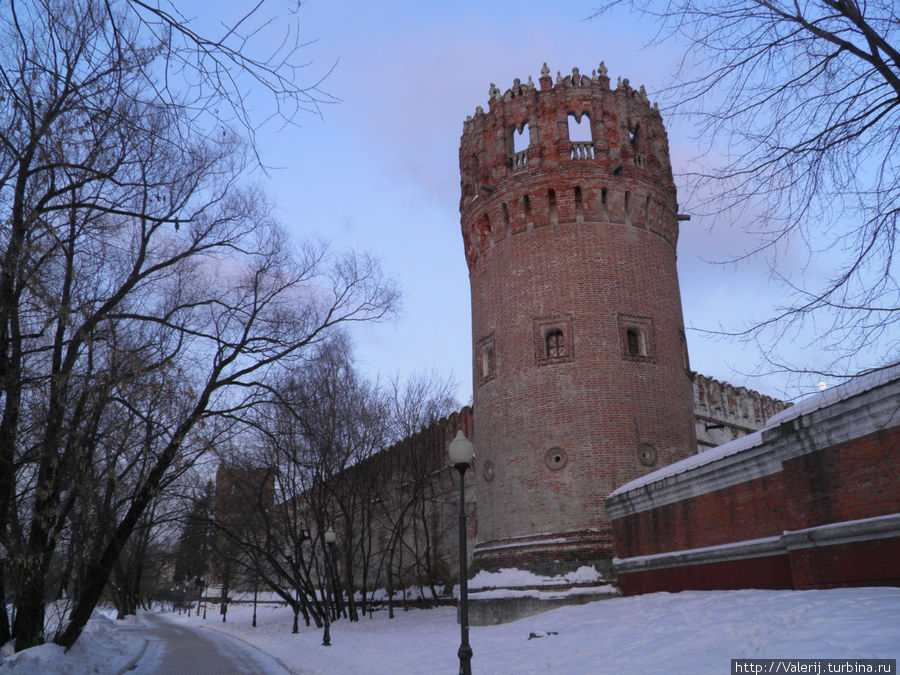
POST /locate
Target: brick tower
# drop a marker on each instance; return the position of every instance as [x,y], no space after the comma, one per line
[581,378]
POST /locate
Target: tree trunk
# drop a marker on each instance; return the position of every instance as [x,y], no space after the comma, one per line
[5,634]
[29,621]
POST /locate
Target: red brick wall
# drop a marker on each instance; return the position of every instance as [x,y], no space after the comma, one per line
[772,572]
[853,480]
[748,510]
[867,563]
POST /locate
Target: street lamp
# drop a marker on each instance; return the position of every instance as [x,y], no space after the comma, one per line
[330,538]
[255,595]
[461,454]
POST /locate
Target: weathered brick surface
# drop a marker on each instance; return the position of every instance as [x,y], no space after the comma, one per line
[849,481]
[586,242]
[749,510]
[851,485]
[869,563]
[773,572]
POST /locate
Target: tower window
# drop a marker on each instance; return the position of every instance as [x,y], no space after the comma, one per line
[579,204]
[580,128]
[637,337]
[581,137]
[556,345]
[520,140]
[551,206]
[486,363]
[635,340]
[553,339]
[526,206]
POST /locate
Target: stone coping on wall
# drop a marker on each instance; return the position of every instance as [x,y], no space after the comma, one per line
[832,534]
[491,610]
[859,407]
[829,397]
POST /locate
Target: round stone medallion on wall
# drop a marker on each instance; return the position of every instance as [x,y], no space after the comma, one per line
[556,459]
[647,454]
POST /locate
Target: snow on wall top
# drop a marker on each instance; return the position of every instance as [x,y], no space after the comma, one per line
[848,389]
[811,403]
[692,462]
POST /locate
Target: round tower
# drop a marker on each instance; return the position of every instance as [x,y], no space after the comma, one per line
[581,375]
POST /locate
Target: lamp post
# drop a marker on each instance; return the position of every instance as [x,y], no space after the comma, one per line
[292,563]
[4,619]
[294,554]
[330,538]
[255,595]
[198,583]
[226,588]
[461,454]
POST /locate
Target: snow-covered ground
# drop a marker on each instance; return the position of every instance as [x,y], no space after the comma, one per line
[102,648]
[690,632]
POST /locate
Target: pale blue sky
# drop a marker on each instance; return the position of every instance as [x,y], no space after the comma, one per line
[379,170]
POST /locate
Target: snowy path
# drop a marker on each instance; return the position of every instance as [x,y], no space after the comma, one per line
[176,649]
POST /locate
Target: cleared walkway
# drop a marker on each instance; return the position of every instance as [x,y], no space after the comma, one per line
[176,649]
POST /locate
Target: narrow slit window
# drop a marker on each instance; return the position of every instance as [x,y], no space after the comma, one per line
[505,213]
[551,205]
[526,206]
[486,367]
[635,342]
[579,204]
[487,362]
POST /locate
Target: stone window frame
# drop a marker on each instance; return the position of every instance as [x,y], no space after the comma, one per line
[486,359]
[546,326]
[643,328]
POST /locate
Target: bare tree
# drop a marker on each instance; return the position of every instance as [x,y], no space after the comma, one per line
[146,296]
[416,405]
[800,105]
[420,401]
[332,422]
